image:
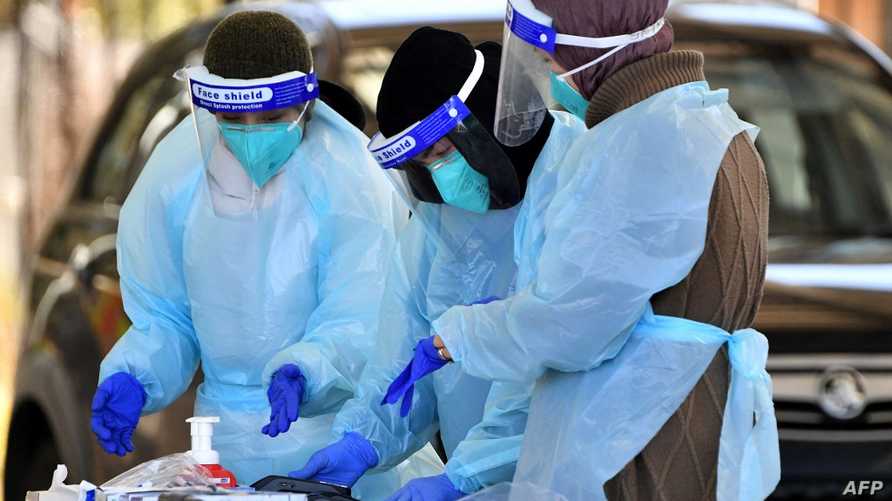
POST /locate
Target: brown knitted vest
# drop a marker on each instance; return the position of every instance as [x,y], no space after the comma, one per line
[724,289]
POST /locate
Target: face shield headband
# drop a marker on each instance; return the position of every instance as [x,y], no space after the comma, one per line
[261,148]
[527,86]
[231,95]
[546,38]
[396,150]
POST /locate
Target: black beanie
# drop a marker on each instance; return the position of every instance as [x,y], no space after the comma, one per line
[431,66]
[257,44]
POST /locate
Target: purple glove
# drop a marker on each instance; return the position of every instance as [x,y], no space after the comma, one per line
[116,407]
[437,488]
[285,393]
[425,361]
[341,463]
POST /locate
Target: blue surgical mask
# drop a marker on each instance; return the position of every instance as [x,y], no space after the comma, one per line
[459,184]
[568,97]
[262,149]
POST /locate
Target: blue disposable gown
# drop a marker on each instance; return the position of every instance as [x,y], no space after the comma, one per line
[303,273]
[470,257]
[628,220]
[585,427]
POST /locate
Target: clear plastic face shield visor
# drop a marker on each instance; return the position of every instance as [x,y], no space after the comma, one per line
[524,82]
[253,125]
[411,158]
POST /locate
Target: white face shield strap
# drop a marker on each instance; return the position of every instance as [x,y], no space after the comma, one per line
[392,151]
[616,43]
[525,77]
[533,26]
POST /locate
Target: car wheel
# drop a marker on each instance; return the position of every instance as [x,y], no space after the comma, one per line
[31,455]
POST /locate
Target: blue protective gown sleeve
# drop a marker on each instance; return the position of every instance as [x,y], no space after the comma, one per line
[160,348]
[340,331]
[603,227]
[488,455]
[402,326]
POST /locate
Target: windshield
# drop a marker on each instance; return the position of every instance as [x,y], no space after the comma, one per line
[826,119]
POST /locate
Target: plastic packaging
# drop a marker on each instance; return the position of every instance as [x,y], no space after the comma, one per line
[167,472]
[202,431]
[59,491]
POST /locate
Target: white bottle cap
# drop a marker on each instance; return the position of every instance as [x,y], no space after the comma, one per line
[202,434]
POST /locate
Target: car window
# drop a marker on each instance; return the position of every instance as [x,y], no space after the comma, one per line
[823,111]
[165,119]
[145,111]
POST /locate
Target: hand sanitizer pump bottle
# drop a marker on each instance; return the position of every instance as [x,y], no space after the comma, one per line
[203,452]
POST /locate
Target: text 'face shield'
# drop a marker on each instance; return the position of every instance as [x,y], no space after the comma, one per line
[247,126]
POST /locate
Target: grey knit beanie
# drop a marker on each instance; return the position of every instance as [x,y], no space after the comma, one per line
[257,44]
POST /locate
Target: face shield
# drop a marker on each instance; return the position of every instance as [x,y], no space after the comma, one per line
[247,127]
[449,157]
[526,88]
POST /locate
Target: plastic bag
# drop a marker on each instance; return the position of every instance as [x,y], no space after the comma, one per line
[518,491]
[168,472]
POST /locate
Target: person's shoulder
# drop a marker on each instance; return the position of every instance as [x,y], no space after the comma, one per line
[174,166]
[336,166]
[568,122]
[332,139]
[567,129]
[177,156]
[334,149]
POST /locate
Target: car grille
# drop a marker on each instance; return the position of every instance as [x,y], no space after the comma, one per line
[810,416]
[798,397]
[829,342]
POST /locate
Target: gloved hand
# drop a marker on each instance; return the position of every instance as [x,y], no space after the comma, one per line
[341,463]
[438,488]
[285,393]
[425,361]
[116,407]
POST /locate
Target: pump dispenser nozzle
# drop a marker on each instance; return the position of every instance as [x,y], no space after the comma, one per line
[204,453]
[202,435]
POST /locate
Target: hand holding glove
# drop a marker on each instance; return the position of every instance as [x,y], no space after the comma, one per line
[285,393]
[426,360]
[438,488]
[116,407]
[341,463]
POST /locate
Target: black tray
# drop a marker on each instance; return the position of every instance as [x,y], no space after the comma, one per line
[316,490]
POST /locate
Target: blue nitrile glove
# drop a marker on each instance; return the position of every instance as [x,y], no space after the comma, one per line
[438,488]
[285,393]
[341,463]
[425,361]
[116,407]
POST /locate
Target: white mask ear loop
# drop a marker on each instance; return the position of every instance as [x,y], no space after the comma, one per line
[306,105]
[618,43]
[297,120]
[592,63]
